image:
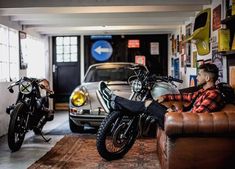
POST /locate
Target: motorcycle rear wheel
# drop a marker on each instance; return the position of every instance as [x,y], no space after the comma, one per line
[120,145]
[16,130]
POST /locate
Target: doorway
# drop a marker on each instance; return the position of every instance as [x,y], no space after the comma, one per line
[66,68]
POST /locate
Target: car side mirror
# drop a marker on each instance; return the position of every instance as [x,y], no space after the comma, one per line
[201,32]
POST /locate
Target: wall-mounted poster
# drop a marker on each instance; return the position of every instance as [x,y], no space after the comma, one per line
[154,48]
[23,50]
[182,60]
[216,17]
[140,60]
[218,61]
[188,45]
[178,43]
[232,76]
[176,68]
[172,44]
[194,59]
[192,80]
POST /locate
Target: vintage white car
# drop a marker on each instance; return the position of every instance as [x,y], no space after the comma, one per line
[84,108]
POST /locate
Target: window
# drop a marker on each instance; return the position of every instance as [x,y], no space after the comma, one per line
[9,58]
[66,49]
[35,57]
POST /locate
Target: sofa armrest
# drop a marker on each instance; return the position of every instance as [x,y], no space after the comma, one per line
[191,124]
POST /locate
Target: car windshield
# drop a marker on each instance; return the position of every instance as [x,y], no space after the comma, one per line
[109,73]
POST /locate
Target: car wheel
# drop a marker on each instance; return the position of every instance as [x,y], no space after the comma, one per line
[75,128]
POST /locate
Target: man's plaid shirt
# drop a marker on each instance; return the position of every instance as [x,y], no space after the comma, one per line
[208,100]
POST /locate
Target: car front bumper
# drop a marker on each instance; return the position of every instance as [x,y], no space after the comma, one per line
[84,117]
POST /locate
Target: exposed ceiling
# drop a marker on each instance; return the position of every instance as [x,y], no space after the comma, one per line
[68,17]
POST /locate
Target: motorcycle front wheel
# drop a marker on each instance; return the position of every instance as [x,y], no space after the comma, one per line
[116,136]
[17,125]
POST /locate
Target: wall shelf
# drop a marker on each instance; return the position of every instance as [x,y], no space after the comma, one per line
[231,52]
[228,20]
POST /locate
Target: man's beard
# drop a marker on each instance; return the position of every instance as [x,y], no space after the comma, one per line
[201,85]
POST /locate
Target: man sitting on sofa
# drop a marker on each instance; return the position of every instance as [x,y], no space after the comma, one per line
[206,99]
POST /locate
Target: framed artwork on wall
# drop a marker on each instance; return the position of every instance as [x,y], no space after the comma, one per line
[216,17]
[176,68]
[232,76]
[192,80]
[23,50]
[188,29]
[218,61]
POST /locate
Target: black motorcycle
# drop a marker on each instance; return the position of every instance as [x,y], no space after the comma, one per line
[30,112]
[119,130]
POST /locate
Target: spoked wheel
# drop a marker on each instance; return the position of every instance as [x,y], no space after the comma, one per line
[16,130]
[116,136]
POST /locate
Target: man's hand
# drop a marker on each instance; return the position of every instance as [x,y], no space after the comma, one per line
[170,110]
[160,99]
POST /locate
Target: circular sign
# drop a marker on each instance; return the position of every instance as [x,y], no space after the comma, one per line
[101,50]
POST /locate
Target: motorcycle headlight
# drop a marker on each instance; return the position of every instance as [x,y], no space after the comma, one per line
[136,86]
[26,87]
[78,98]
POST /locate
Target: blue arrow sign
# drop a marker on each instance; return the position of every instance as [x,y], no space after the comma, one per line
[101,50]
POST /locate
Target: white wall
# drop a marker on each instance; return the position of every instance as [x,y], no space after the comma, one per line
[6,97]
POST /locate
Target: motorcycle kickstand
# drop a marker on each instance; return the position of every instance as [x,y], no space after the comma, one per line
[45,139]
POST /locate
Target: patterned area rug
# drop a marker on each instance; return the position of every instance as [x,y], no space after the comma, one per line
[79,151]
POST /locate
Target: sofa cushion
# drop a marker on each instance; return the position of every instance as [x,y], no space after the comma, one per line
[187,123]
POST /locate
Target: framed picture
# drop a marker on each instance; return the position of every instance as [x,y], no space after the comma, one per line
[192,80]
[176,68]
[23,50]
[218,61]
[194,59]
[216,17]
[232,76]
[188,32]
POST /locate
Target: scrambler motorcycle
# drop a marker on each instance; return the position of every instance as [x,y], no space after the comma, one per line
[119,130]
[30,111]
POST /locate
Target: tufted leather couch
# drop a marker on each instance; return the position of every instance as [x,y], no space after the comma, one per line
[197,141]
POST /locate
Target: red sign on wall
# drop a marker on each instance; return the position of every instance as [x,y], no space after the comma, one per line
[140,60]
[134,43]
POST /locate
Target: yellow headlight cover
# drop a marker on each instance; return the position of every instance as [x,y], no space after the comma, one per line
[78,98]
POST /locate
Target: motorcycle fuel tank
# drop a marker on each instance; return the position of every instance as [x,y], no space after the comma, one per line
[162,88]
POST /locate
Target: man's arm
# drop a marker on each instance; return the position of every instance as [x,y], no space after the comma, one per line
[178,97]
[209,104]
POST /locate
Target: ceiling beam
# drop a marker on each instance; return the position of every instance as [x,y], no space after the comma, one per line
[72,3]
[98,10]
[28,17]
[148,29]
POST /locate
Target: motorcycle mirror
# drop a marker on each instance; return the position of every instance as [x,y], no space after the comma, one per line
[11,90]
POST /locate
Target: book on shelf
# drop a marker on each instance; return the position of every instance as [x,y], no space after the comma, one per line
[223,40]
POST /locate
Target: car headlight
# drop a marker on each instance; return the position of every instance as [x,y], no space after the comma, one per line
[26,87]
[78,98]
[136,85]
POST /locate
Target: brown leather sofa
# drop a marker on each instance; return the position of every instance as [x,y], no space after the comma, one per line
[197,141]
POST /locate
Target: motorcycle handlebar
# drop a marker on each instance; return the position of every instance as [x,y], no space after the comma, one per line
[175,79]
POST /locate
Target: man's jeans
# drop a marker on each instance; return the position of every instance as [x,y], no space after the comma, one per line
[155,109]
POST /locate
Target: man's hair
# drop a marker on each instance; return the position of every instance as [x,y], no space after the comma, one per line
[210,68]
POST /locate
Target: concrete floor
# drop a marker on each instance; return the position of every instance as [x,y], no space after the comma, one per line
[34,147]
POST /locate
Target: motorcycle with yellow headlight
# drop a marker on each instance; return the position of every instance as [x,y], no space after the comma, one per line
[30,111]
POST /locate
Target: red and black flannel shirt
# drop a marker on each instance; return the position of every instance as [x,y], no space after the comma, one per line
[208,100]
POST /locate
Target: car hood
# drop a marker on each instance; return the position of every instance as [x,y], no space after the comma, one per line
[122,89]
[117,87]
